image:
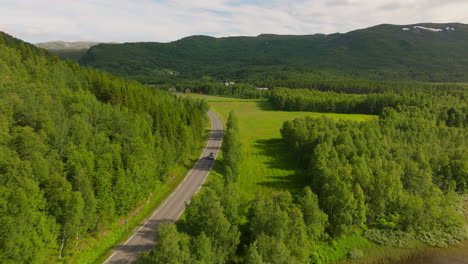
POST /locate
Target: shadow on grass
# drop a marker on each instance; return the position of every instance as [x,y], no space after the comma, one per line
[265,106]
[280,158]
[218,166]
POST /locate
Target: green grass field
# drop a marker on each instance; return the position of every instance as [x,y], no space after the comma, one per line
[267,164]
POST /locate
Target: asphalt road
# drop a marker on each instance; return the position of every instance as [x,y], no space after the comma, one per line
[172,208]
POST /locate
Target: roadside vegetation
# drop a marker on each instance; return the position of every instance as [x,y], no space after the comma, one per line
[316,184]
[391,182]
[273,214]
[81,151]
[232,149]
[312,170]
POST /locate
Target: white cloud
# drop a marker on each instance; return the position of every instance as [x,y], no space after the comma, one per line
[164,20]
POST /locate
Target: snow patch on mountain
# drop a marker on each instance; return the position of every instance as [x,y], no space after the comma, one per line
[429,29]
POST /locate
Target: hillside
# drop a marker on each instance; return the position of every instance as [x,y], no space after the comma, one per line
[425,52]
[67,50]
[61,45]
[80,150]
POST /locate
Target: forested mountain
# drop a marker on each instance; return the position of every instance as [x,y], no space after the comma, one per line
[79,149]
[426,52]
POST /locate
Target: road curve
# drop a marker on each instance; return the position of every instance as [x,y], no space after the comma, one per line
[172,208]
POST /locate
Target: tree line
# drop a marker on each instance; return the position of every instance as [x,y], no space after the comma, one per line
[232,149]
[280,229]
[79,150]
[399,173]
[372,103]
[210,86]
[395,179]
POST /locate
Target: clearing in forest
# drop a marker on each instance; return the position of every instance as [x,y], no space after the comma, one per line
[267,163]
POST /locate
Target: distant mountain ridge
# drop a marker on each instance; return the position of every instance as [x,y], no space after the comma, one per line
[427,52]
[68,50]
[60,45]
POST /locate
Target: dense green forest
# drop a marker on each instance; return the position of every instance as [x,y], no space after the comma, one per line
[401,172]
[397,181]
[451,103]
[79,149]
[278,229]
[382,52]
[398,178]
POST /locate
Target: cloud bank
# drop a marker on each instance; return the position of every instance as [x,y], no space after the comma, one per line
[164,20]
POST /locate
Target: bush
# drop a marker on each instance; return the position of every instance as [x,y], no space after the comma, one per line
[394,238]
[355,253]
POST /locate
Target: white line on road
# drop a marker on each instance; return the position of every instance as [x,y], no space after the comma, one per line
[215,124]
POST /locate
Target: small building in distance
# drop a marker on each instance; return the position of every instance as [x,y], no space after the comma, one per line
[228,83]
[187,90]
[262,88]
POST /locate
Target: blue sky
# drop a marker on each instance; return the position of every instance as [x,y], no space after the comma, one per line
[163,20]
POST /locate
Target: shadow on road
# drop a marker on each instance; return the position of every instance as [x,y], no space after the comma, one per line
[217,134]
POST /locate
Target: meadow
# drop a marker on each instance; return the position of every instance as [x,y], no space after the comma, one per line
[267,164]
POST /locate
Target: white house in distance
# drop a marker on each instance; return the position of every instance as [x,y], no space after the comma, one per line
[228,83]
[262,88]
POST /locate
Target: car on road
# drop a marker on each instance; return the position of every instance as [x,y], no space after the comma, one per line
[211,156]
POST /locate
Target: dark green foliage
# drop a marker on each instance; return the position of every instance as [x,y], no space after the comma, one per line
[206,215]
[210,231]
[380,52]
[384,173]
[252,256]
[172,247]
[314,218]
[374,103]
[79,149]
[278,230]
[210,86]
[232,149]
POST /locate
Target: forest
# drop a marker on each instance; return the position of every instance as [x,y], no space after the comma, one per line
[399,178]
[79,150]
[452,102]
[396,181]
[278,229]
[402,172]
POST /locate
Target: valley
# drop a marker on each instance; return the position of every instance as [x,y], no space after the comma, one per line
[268,149]
[267,164]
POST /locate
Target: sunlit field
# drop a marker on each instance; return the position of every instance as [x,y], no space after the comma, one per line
[267,164]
